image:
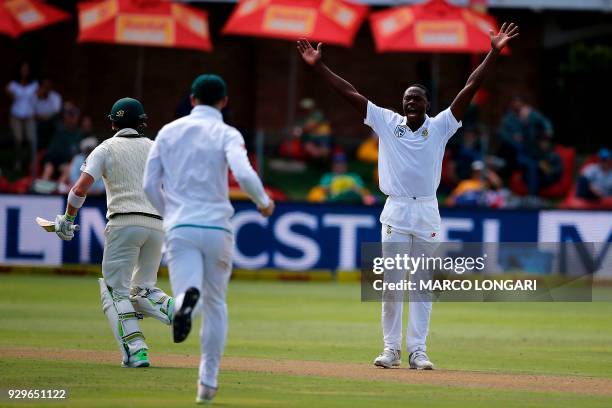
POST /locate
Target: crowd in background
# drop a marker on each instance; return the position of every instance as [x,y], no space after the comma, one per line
[515,164]
[61,136]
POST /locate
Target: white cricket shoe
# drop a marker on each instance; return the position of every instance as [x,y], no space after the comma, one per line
[419,361]
[388,358]
[205,394]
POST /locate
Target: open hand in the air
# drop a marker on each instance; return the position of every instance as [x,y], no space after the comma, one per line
[506,33]
[309,54]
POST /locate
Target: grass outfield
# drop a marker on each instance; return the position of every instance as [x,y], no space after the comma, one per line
[53,335]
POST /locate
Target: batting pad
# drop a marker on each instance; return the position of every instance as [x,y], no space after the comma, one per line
[153,303]
[123,320]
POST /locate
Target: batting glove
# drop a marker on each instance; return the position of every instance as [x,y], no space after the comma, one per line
[64,227]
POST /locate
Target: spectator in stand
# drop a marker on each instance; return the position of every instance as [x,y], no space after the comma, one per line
[368,153]
[315,131]
[468,152]
[87,128]
[86,146]
[482,189]
[64,144]
[368,149]
[521,128]
[291,147]
[22,92]
[595,181]
[47,106]
[544,168]
[341,186]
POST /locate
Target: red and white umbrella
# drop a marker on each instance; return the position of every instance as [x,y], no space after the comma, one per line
[330,21]
[144,22]
[20,16]
[433,26]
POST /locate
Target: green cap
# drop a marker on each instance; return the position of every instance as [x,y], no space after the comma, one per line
[128,113]
[209,88]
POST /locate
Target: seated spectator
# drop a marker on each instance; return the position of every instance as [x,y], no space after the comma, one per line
[544,168]
[86,146]
[467,153]
[64,144]
[522,126]
[315,131]
[595,181]
[47,107]
[291,148]
[368,149]
[341,186]
[87,127]
[480,190]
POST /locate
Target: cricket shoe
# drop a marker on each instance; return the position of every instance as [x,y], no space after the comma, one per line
[388,359]
[419,361]
[181,323]
[138,359]
[205,394]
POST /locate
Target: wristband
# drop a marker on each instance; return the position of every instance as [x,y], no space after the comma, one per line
[69,217]
[74,200]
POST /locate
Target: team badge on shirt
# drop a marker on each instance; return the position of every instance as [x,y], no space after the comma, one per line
[425,133]
[400,131]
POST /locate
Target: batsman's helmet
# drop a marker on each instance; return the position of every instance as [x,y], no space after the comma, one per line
[128,113]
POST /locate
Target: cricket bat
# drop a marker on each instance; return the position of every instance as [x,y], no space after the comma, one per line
[49,226]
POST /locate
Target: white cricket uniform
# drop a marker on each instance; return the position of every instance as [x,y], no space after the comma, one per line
[409,170]
[186,179]
[134,232]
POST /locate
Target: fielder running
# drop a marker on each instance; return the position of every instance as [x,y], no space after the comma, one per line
[134,234]
[186,180]
[409,167]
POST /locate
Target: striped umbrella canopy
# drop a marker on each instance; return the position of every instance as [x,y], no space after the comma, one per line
[153,23]
[330,21]
[20,16]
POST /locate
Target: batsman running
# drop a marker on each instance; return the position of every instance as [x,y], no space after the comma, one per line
[134,232]
[409,167]
[186,179]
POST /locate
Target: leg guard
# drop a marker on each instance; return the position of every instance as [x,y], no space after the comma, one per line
[123,320]
[153,303]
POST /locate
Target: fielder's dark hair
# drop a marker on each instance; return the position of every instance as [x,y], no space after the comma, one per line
[424,88]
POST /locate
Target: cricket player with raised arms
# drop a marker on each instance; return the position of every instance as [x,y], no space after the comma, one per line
[409,165]
[134,233]
[186,179]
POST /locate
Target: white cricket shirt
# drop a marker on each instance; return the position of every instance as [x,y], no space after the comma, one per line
[410,163]
[409,169]
[186,177]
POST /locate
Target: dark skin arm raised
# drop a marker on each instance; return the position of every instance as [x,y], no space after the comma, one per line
[498,42]
[313,58]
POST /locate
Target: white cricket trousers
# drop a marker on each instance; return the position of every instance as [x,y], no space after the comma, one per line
[420,304]
[131,257]
[201,257]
